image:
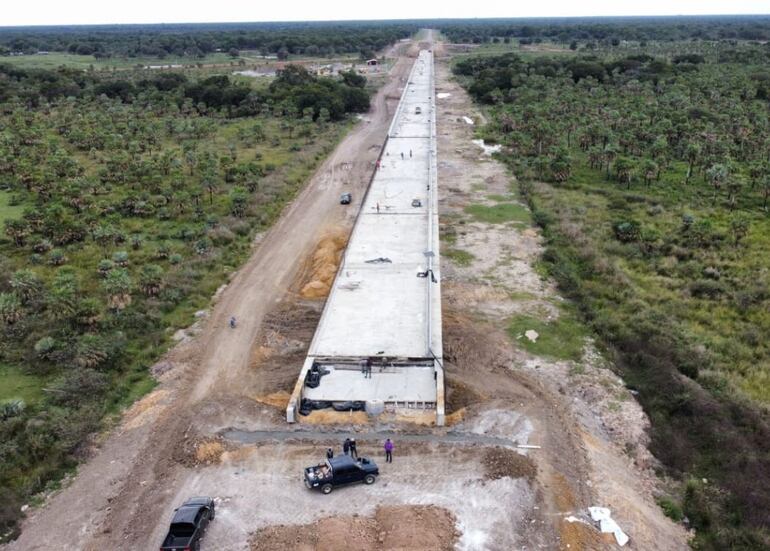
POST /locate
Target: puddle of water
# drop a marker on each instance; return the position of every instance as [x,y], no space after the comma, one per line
[468,120]
[488,149]
[443,95]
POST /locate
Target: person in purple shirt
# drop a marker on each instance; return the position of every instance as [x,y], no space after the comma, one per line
[388,450]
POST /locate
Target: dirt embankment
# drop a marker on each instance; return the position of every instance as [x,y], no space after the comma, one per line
[424,528]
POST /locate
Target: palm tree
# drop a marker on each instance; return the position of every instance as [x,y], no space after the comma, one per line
[649,171]
[716,175]
[624,170]
[11,309]
[151,279]
[561,166]
[692,153]
[26,285]
[210,183]
[18,230]
[117,285]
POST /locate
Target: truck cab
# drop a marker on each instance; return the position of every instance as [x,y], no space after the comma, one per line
[189,524]
[340,470]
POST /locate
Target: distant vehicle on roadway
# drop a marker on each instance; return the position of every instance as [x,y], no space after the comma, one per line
[345,199]
[417,110]
[189,524]
[340,470]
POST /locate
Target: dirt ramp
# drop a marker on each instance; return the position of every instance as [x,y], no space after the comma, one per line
[401,527]
[319,275]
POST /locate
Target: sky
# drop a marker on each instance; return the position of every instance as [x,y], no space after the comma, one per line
[67,12]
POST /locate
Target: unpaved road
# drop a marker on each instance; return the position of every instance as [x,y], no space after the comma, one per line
[117,488]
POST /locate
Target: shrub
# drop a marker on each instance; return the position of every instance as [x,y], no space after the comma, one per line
[57,257]
[707,288]
[104,267]
[626,232]
[670,508]
[120,258]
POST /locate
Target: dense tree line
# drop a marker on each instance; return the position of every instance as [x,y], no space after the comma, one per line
[293,91]
[651,178]
[102,41]
[608,29]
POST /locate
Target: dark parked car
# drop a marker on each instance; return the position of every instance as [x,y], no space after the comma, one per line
[340,470]
[345,199]
[189,524]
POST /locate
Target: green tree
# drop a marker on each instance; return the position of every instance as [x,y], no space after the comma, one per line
[151,279]
[717,175]
[18,231]
[117,285]
[27,286]
[11,309]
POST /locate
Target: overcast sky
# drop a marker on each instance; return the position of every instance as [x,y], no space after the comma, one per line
[63,12]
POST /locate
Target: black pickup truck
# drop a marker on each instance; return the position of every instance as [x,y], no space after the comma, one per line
[340,470]
[188,525]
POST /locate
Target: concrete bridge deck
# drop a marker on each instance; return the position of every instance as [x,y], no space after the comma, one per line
[385,303]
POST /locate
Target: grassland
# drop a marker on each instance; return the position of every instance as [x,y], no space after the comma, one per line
[7,210]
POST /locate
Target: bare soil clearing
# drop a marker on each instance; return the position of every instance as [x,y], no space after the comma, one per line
[389,529]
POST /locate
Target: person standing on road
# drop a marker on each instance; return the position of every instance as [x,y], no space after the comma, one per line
[388,451]
[368,369]
[353,450]
[346,446]
[329,453]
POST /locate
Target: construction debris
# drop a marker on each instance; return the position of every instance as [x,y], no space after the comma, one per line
[603,516]
[379,260]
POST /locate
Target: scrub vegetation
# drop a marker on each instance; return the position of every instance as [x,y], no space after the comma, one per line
[646,164]
[205,39]
[126,201]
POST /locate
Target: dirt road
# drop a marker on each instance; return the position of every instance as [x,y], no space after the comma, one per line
[119,486]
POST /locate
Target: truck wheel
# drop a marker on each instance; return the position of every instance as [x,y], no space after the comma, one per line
[197,546]
[326,488]
[369,479]
[213,513]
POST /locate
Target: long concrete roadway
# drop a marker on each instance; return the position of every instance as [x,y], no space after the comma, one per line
[384,308]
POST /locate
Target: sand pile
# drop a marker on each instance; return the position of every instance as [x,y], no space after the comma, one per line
[323,266]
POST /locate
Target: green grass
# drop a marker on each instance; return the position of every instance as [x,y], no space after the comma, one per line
[500,198]
[459,257]
[15,384]
[561,339]
[670,508]
[500,213]
[246,60]
[59,59]
[8,211]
